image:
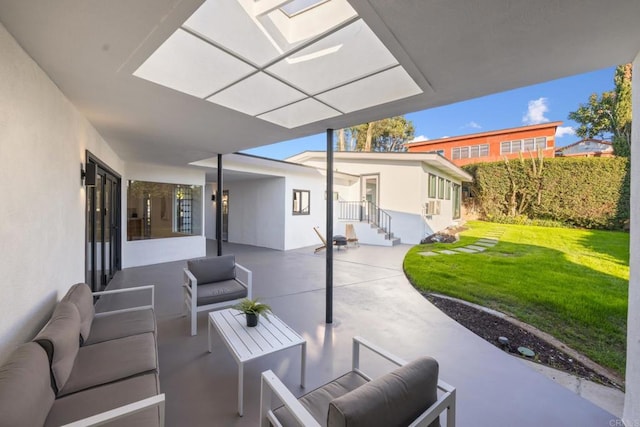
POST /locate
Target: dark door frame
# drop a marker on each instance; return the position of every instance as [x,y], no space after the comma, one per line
[115,224]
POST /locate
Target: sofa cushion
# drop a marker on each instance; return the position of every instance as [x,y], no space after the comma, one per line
[104,398]
[60,339]
[227,290]
[317,401]
[25,387]
[109,326]
[112,360]
[213,269]
[80,295]
[395,399]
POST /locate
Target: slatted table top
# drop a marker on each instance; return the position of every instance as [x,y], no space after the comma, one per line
[247,343]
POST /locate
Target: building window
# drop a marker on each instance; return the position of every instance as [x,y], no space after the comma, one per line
[528,144]
[441,152]
[541,143]
[464,152]
[158,210]
[447,190]
[505,147]
[484,150]
[455,153]
[301,202]
[456,201]
[440,188]
[433,186]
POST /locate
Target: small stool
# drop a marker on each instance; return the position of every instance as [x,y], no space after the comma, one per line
[339,241]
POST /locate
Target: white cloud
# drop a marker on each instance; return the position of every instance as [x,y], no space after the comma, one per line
[536,111]
[564,130]
[473,125]
[419,138]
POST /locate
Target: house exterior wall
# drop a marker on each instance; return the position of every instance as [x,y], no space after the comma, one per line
[153,251]
[299,228]
[586,148]
[43,139]
[493,140]
[402,194]
[256,212]
[631,414]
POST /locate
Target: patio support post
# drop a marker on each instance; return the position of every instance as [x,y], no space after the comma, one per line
[219,207]
[631,415]
[329,268]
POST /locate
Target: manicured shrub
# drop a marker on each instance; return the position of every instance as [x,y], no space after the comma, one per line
[581,192]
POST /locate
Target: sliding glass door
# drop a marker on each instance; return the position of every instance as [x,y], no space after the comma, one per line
[103,248]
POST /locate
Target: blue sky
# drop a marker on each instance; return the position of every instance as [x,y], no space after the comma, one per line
[545,102]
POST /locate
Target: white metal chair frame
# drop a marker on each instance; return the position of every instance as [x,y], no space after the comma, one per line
[122,412]
[190,288]
[271,385]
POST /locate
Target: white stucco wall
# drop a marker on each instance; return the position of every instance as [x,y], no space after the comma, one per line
[299,228]
[632,393]
[256,212]
[43,139]
[153,251]
[209,212]
[403,192]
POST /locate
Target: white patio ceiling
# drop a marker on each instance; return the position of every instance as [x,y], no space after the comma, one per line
[406,55]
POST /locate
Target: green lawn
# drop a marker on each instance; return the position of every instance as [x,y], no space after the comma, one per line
[570,283]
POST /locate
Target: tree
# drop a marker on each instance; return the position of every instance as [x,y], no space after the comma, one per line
[383,135]
[609,115]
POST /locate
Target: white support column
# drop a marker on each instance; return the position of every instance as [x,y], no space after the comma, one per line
[631,414]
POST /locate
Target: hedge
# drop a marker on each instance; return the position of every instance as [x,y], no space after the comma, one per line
[583,192]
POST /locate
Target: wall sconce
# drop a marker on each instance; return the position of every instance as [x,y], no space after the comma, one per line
[213,197]
[89,174]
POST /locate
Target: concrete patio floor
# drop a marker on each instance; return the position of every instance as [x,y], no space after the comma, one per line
[373,299]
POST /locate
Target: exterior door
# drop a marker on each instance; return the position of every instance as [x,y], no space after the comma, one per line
[370,195]
[102,257]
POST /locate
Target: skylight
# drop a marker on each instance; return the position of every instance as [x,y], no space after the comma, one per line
[289,62]
[299,6]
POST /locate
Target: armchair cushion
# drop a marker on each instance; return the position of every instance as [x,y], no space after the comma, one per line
[25,387]
[226,290]
[213,269]
[60,338]
[395,399]
[317,401]
[80,295]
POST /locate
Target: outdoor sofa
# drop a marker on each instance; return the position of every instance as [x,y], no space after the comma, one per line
[85,368]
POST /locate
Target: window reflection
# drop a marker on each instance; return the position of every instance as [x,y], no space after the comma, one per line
[158,210]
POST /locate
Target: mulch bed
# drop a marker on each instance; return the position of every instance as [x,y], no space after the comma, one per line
[490,327]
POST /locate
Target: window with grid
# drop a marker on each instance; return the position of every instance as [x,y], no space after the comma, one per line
[505,147]
[440,188]
[516,146]
[464,152]
[301,204]
[484,150]
[541,143]
[528,145]
[433,186]
[447,190]
[184,209]
[455,153]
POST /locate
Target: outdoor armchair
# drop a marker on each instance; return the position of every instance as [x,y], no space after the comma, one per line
[411,395]
[212,283]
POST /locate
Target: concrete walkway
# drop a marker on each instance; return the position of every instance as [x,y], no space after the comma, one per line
[373,299]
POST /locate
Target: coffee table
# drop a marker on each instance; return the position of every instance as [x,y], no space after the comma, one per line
[246,344]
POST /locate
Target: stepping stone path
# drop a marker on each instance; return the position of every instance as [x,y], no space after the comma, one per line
[490,240]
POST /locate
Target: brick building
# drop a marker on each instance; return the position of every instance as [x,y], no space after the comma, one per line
[492,146]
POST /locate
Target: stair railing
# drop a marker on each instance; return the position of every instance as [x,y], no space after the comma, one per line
[365,211]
